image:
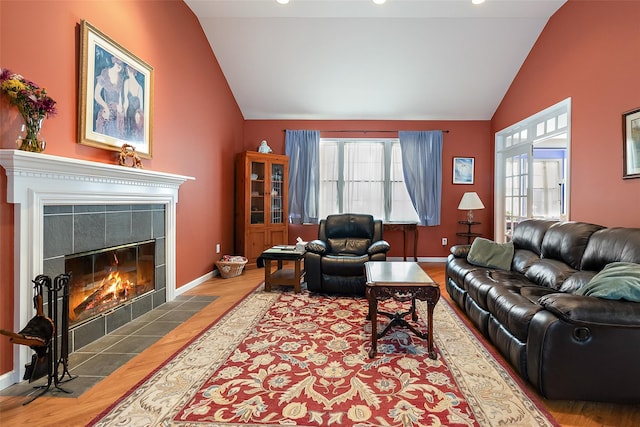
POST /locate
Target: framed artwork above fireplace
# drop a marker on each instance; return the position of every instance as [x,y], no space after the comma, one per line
[115,95]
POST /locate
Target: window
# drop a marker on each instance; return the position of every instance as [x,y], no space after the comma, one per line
[364,176]
[532,169]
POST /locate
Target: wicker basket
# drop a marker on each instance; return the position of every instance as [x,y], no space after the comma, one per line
[230,269]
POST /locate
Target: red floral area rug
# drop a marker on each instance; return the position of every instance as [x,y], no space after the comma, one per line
[301,359]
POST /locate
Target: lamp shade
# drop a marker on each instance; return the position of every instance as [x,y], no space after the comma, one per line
[470,200]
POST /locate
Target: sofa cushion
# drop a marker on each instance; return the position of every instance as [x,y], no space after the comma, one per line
[523,259]
[576,281]
[611,245]
[512,310]
[618,280]
[343,265]
[348,246]
[549,273]
[487,253]
[566,242]
[528,234]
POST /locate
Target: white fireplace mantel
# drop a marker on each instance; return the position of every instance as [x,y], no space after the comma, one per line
[35,180]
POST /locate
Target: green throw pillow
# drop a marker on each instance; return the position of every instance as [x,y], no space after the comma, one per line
[618,280]
[486,253]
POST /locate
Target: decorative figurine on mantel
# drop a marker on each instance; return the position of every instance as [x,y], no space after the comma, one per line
[264,148]
[129,151]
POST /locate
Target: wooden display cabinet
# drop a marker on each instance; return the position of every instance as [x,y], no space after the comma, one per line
[261,209]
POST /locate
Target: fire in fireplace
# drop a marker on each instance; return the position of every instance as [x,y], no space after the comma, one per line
[104,279]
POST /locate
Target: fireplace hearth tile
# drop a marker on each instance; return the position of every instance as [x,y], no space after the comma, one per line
[98,346]
[119,318]
[128,329]
[102,364]
[143,221]
[95,361]
[88,332]
[158,328]
[178,315]
[158,224]
[57,235]
[161,278]
[118,228]
[132,344]
[193,305]
[88,232]
[160,251]
[142,306]
[159,297]
[151,316]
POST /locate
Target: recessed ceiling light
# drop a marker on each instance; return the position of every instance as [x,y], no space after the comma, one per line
[287,1]
[477,1]
[379,1]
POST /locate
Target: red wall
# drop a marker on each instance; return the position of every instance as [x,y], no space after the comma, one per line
[588,51]
[465,139]
[197,124]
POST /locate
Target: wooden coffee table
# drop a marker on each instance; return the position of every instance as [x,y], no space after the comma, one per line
[403,281]
[283,276]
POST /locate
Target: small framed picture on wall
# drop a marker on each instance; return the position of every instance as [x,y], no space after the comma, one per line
[631,144]
[463,170]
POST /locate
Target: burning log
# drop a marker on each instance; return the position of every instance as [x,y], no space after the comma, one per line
[112,290]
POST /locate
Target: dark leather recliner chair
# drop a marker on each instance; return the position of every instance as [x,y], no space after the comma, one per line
[334,263]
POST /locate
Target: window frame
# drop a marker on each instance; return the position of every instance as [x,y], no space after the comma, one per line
[387,182]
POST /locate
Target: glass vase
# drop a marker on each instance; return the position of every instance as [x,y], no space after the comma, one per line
[30,138]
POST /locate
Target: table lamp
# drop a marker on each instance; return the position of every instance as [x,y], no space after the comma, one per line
[470,201]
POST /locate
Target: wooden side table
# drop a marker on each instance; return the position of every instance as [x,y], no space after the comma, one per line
[283,276]
[468,234]
[405,227]
[403,281]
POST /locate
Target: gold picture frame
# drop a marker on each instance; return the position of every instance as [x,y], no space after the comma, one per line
[115,95]
[631,144]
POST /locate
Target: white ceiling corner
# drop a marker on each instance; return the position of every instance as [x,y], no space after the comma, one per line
[355,60]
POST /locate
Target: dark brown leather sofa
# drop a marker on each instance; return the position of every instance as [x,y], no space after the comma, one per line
[567,346]
[334,263]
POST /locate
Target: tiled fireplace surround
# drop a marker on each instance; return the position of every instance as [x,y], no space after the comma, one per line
[73,229]
[63,206]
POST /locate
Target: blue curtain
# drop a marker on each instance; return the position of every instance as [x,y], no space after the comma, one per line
[303,149]
[422,168]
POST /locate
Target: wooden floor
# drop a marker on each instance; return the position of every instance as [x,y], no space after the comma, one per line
[67,412]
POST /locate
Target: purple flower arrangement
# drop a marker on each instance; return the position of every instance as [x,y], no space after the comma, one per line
[32,102]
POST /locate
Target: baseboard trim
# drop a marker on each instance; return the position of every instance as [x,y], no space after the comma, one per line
[188,286]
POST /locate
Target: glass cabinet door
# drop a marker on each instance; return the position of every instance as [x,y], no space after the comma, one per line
[257,192]
[277,192]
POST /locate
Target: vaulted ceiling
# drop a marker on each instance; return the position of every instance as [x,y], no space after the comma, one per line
[356,60]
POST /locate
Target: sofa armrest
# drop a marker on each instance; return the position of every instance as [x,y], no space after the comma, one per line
[379,247]
[585,309]
[460,251]
[317,247]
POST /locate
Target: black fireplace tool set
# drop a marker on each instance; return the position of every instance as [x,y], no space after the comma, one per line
[47,336]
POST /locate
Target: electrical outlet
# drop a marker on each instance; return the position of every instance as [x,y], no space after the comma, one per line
[217,248]
[444,241]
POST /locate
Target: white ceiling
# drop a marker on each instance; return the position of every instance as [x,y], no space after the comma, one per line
[353,59]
